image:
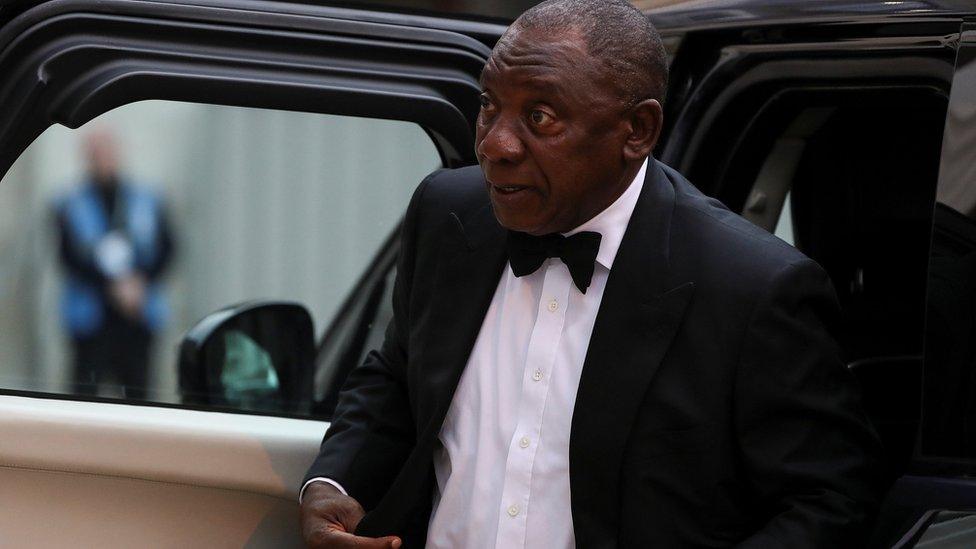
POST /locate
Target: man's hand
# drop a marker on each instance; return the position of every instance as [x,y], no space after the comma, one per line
[129,294]
[329,519]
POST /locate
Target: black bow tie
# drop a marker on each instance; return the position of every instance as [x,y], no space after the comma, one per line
[526,253]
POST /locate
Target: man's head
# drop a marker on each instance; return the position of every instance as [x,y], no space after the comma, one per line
[570,109]
[101,155]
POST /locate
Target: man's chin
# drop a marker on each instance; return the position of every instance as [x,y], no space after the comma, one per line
[518,224]
[510,221]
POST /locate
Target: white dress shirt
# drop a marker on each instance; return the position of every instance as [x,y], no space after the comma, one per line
[502,468]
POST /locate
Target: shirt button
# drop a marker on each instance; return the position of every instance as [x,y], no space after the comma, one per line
[524,442]
[537,375]
[553,306]
[513,510]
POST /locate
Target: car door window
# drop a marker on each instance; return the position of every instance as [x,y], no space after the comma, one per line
[206,206]
[949,397]
[829,170]
[263,156]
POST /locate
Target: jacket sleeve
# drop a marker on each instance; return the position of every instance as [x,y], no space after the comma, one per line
[372,430]
[808,450]
[166,247]
[76,259]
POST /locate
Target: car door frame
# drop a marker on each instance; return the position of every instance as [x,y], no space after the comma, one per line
[68,61]
[934,483]
[713,72]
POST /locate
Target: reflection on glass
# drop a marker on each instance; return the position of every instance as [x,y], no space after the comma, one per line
[248,375]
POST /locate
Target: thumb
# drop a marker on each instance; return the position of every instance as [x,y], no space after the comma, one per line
[360,542]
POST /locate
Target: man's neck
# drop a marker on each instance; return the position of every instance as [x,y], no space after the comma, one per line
[620,186]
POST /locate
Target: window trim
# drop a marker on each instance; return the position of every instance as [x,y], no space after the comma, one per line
[747,77]
[70,67]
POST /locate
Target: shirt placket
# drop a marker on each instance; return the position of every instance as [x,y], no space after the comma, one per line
[541,355]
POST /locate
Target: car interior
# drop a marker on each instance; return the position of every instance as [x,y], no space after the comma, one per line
[860,167]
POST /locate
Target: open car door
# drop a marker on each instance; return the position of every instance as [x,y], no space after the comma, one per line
[101,471]
[934,504]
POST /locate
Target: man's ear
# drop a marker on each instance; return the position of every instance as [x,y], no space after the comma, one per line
[646,119]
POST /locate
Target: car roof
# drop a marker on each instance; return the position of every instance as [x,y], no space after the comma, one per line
[681,15]
[485,19]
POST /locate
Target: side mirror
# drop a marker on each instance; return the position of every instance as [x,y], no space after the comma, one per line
[253,356]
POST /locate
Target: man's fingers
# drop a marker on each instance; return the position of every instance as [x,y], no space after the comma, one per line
[337,539]
[329,518]
[389,542]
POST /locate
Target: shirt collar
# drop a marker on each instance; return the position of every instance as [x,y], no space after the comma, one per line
[612,222]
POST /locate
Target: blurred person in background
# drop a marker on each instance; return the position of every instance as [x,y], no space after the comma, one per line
[115,242]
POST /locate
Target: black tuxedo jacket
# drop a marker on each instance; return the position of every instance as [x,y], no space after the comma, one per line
[713,407]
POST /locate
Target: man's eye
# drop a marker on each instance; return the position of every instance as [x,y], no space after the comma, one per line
[540,117]
[485,101]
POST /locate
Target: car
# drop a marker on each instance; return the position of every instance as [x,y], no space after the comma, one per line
[845,127]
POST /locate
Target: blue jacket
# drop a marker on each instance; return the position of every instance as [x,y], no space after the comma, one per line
[85,222]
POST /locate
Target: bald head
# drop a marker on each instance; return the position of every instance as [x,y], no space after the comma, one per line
[101,154]
[621,39]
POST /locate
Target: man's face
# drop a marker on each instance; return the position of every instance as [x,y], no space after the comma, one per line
[102,157]
[551,133]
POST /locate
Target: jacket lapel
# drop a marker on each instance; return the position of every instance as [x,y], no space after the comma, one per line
[472,254]
[640,313]
[473,257]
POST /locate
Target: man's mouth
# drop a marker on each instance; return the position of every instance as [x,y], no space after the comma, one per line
[508,189]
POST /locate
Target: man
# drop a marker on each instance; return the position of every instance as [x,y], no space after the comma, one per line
[587,351]
[115,243]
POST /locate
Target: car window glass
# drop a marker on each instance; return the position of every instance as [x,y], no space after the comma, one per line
[117,237]
[830,173]
[784,226]
[949,393]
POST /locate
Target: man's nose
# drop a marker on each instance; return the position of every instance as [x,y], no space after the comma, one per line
[501,144]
